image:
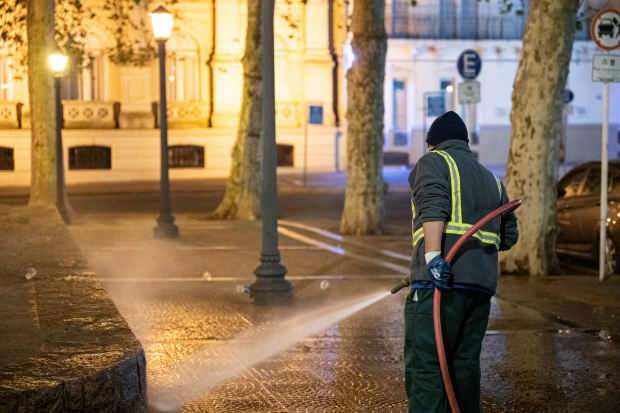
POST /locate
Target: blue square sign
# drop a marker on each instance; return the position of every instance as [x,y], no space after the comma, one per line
[316,115]
[436,106]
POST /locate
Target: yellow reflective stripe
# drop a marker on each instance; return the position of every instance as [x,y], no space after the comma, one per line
[417,236]
[412,221]
[499,186]
[455,181]
[459,229]
[484,236]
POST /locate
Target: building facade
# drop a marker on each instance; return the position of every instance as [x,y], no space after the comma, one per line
[110,111]
[424,44]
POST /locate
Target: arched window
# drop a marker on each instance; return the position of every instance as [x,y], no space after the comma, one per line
[86,83]
[182,68]
[93,77]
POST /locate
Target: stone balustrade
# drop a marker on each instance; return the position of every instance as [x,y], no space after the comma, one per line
[90,115]
[10,115]
[193,114]
[108,115]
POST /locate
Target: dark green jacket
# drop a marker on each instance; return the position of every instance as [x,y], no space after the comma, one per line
[448,184]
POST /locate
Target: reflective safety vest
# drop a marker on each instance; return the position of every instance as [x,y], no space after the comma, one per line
[456,224]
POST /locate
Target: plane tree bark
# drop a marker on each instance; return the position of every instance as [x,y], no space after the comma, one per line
[536,118]
[242,196]
[363,207]
[40,31]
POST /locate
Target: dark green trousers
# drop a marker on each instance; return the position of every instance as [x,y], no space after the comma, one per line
[465,315]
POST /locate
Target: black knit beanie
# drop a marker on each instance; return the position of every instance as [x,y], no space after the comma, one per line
[447,126]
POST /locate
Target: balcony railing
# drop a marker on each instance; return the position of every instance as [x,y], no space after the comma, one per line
[418,22]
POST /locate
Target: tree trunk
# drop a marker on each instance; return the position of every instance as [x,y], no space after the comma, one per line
[242,196]
[536,119]
[40,29]
[363,205]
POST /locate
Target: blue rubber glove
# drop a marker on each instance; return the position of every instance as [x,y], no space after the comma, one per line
[441,274]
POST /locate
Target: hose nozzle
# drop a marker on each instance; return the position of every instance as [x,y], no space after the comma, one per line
[403,283]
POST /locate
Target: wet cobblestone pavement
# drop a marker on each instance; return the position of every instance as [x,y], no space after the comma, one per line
[209,349]
[191,329]
[357,365]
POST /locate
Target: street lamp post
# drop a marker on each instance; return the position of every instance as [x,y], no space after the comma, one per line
[162,26]
[270,286]
[58,61]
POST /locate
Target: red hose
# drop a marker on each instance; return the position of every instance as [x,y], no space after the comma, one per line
[511,206]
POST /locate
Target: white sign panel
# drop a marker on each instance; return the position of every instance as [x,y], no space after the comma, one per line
[605,29]
[606,68]
[469,92]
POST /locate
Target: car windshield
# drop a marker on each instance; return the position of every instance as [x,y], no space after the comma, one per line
[572,182]
[592,185]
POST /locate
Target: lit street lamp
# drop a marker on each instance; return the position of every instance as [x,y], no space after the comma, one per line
[58,61]
[162,26]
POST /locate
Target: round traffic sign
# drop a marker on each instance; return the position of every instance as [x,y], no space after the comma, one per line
[568,96]
[605,29]
[469,64]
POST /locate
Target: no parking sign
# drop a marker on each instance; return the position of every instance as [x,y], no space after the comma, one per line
[605,31]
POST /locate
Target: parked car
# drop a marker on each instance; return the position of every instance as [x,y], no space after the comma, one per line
[578,204]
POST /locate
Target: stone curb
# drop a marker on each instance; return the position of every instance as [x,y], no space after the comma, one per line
[64,347]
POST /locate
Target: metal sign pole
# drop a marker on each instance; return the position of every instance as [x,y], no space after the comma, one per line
[605,68]
[468,119]
[305,173]
[603,233]
[425,110]
[469,65]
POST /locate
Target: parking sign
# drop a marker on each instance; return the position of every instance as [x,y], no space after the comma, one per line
[469,64]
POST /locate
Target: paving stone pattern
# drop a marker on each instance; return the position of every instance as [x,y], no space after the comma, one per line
[548,347]
[357,364]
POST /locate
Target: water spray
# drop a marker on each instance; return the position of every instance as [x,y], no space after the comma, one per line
[405,282]
[215,364]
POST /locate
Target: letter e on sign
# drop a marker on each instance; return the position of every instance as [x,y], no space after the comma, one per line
[469,64]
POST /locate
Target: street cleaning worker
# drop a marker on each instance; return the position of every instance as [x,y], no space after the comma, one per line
[451,191]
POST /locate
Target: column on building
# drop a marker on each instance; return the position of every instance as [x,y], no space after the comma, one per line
[230,26]
[399,92]
[318,63]
[388,101]
[340,38]
[289,63]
